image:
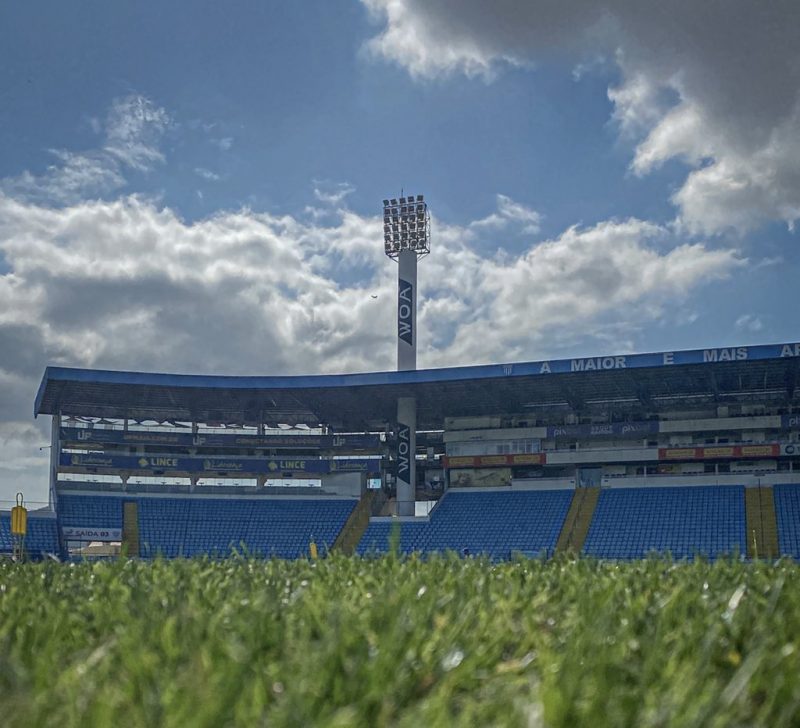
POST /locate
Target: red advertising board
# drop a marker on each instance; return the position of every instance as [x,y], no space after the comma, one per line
[715,452]
[494,461]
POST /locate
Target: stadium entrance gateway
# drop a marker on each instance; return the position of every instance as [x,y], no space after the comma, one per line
[406,238]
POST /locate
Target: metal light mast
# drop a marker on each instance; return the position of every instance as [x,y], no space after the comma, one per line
[406,238]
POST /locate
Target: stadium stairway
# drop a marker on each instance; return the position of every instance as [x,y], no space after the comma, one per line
[130,528]
[354,527]
[579,518]
[762,524]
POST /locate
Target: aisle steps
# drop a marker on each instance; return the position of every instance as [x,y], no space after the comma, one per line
[762,524]
[356,524]
[130,528]
[579,518]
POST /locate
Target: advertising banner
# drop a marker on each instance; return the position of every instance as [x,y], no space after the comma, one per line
[617,429]
[494,461]
[251,466]
[791,422]
[92,436]
[481,478]
[403,452]
[405,311]
[718,451]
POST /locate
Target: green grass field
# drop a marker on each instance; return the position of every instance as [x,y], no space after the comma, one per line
[352,642]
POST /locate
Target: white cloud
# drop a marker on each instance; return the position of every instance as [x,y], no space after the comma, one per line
[126,283]
[332,193]
[509,211]
[132,132]
[519,307]
[717,86]
[750,323]
[207,174]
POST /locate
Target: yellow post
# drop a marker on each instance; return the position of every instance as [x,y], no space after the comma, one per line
[19,527]
[19,518]
[312,548]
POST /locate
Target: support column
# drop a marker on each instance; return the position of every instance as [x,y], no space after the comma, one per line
[407,311]
[406,361]
[55,458]
[406,462]
[406,238]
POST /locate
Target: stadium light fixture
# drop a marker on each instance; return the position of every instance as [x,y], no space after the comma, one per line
[406,226]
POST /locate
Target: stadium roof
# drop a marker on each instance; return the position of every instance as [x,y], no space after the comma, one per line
[357,402]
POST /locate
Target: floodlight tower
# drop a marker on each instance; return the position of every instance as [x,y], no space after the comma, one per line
[406,238]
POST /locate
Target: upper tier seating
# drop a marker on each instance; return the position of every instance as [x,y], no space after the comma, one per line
[630,523]
[492,523]
[41,539]
[787,511]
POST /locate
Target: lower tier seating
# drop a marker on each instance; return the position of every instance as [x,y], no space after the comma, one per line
[495,524]
[41,539]
[630,523]
[281,527]
[90,511]
[266,527]
[787,512]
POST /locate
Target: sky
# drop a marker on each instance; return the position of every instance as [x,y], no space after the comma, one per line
[196,186]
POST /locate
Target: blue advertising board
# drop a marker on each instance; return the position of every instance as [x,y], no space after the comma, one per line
[621,429]
[791,422]
[275,467]
[187,439]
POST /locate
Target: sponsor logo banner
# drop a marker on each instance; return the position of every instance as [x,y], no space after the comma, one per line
[405,312]
[253,466]
[481,478]
[623,429]
[187,439]
[791,450]
[495,461]
[752,451]
[791,422]
[718,451]
[404,454]
[91,533]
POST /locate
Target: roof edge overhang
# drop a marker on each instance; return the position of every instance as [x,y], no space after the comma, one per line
[48,400]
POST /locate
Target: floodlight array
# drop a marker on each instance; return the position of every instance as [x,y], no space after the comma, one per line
[406,226]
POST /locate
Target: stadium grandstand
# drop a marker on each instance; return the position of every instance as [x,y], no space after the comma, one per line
[690,453]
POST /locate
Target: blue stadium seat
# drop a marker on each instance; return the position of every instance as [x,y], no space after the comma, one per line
[173,527]
[41,539]
[630,523]
[787,512]
[261,527]
[494,524]
[90,511]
